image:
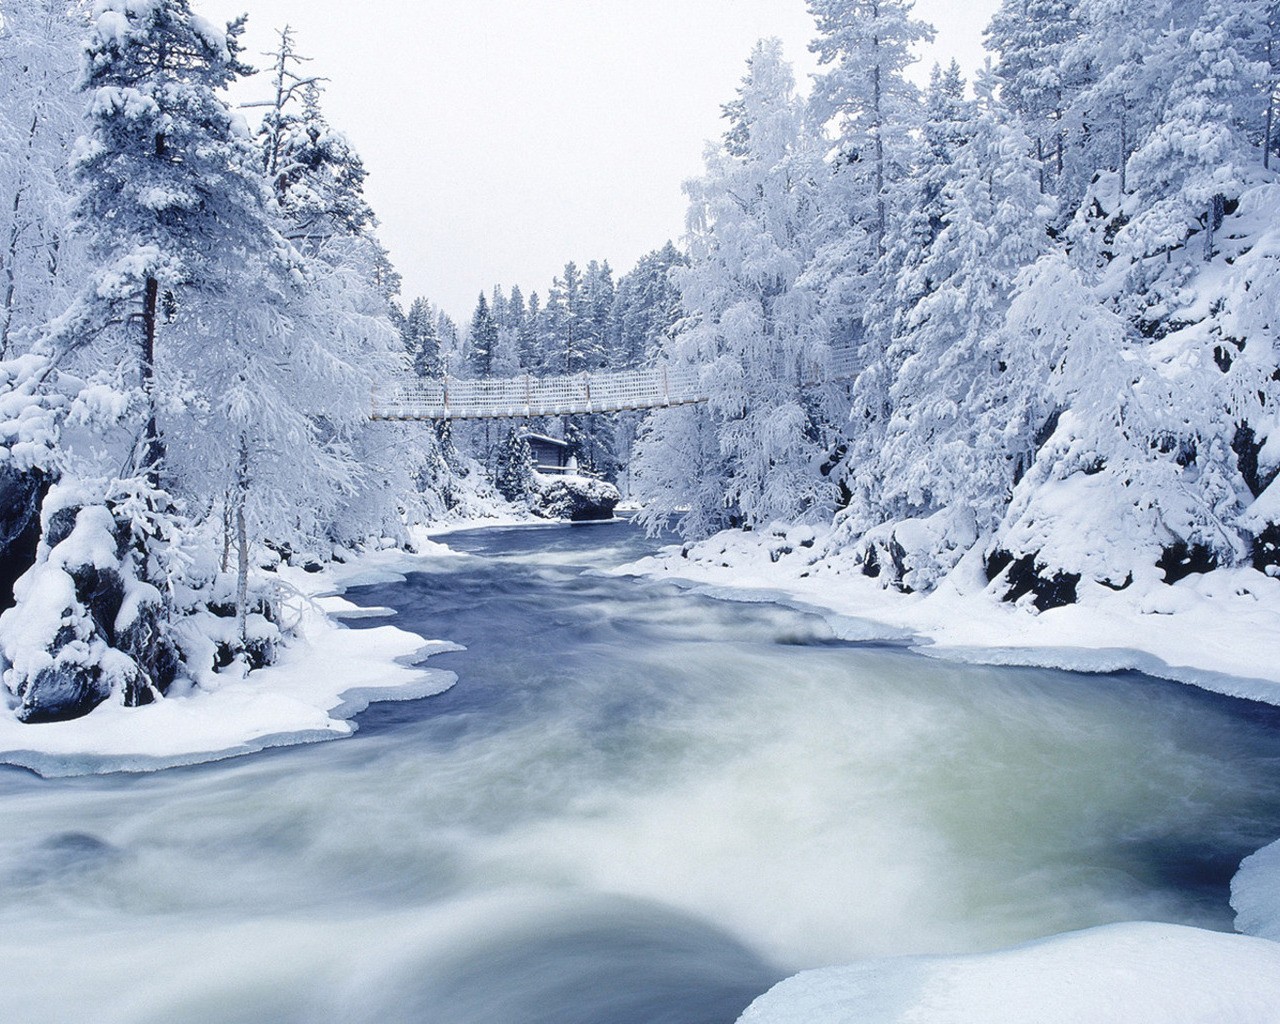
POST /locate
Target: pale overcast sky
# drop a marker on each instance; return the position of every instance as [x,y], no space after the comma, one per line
[504,137]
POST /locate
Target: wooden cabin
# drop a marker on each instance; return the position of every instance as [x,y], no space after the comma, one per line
[550,454]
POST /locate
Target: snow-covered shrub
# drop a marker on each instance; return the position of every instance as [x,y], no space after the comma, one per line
[912,555]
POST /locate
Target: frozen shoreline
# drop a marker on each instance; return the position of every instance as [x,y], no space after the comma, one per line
[1220,632]
[326,676]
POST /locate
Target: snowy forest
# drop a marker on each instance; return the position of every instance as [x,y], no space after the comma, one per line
[1057,285]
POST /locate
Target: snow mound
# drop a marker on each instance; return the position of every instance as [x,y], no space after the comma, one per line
[1138,973]
[1255,894]
[318,684]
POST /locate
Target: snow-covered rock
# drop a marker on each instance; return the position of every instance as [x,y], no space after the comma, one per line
[573,497]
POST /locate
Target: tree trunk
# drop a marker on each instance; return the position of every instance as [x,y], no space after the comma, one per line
[1124,153]
[878,126]
[1217,209]
[152,449]
[226,532]
[242,544]
[1271,99]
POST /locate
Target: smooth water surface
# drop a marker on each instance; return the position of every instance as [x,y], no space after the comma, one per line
[638,805]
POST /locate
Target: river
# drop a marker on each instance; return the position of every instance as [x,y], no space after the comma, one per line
[637,806]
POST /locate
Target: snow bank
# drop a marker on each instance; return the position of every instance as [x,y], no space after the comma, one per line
[1135,973]
[1219,631]
[319,683]
[1255,894]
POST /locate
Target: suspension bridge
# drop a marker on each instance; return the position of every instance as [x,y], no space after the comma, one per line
[661,386]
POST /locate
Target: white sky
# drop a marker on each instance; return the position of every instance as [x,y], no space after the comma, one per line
[504,137]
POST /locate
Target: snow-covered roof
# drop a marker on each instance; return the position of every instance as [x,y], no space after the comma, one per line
[530,436]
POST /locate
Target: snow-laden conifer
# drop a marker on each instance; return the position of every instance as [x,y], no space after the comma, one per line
[750,322]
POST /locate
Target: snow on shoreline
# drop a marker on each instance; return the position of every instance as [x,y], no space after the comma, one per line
[322,680]
[1220,632]
[1139,973]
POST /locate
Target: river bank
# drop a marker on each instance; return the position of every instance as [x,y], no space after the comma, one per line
[1219,631]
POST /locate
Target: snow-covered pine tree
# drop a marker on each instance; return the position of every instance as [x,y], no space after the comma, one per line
[482,340]
[1195,160]
[421,340]
[513,476]
[864,95]
[39,119]
[756,453]
[1032,38]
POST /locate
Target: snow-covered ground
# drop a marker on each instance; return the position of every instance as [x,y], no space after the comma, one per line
[1220,631]
[1139,973]
[324,677]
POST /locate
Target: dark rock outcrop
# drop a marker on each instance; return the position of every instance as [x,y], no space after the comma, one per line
[1023,575]
[20,496]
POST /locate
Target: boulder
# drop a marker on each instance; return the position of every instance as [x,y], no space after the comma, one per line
[579,499]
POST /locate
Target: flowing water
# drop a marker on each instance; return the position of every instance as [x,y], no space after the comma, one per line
[637,805]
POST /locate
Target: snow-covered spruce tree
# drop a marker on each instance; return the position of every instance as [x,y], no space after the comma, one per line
[39,119]
[1032,38]
[482,339]
[752,324]
[646,311]
[954,439]
[421,340]
[222,350]
[869,111]
[318,180]
[514,474]
[530,342]
[916,216]
[865,46]
[158,192]
[1195,160]
[1117,52]
[506,321]
[647,307]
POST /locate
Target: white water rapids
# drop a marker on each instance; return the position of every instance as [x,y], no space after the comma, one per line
[637,805]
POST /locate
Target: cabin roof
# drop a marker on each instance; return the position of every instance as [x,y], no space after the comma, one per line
[543,439]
